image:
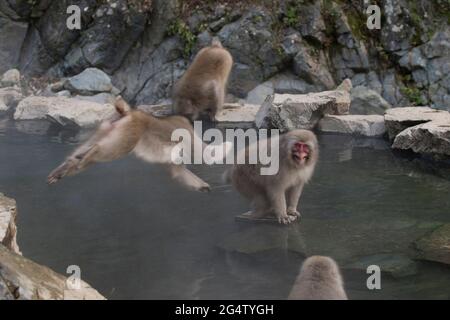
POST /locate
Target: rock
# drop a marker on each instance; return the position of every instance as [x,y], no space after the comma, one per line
[232,115]
[303,111]
[12,36]
[23,279]
[258,94]
[436,245]
[235,115]
[396,265]
[311,65]
[312,25]
[367,101]
[360,125]
[430,138]
[10,78]
[8,228]
[9,98]
[102,98]
[89,82]
[398,119]
[63,93]
[65,111]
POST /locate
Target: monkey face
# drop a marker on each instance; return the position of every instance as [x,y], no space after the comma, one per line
[300,152]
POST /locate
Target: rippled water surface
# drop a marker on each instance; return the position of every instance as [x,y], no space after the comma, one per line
[137,235]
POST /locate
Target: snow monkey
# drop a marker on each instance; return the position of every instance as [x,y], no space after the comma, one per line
[319,279]
[202,87]
[148,137]
[278,195]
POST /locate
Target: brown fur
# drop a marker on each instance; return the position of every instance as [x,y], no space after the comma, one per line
[319,279]
[277,194]
[202,88]
[145,135]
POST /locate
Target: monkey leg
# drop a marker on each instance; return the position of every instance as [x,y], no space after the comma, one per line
[277,201]
[185,177]
[292,196]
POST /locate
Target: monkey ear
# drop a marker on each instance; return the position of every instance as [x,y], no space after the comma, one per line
[121,106]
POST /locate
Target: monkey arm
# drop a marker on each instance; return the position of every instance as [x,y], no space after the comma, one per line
[292,197]
[185,177]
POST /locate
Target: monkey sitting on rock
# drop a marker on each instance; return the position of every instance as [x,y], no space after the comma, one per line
[278,195]
[148,137]
[319,279]
[202,87]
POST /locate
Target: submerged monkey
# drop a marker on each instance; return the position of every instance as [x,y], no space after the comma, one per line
[278,195]
[148,137]
[202,87]
[319,279]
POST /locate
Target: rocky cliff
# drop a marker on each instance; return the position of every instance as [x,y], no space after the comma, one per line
[278,46]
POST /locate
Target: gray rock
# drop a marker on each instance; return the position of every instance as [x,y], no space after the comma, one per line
[432,138]
[398,119]
[9,98]
[65,111]
[258,94]
[311,65]
[311,24]
[436,245]
[367,101]
[63,93]
[12,36]
[396,265]
[303,111]
[89,82]
[22,279]
[359,125]
[8,227]
[395,33]
[101,98]
[10,78]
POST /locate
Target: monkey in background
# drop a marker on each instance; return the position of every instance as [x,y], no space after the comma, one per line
[319,279]
[278,195]
[148,137]
[202,87]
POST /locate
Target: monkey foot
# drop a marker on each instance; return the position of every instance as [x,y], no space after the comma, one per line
[287,219]
[251,217]
[294,213]
[206,188]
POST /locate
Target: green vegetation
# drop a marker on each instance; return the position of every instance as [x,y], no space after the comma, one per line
[414,95]
[181,29]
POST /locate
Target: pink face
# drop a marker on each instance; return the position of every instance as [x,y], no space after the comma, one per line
[300,152]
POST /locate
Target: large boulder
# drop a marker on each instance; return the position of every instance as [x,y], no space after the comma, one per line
[22,279]
[436,245]
[9,98]
[8,228]
[302,111]
[398,119]
[12,36]
[359,125]
[431,138]
[10,78]
[65,111]
[89,82]
[367,101]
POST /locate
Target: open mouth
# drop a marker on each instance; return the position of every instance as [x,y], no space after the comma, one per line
[301,152]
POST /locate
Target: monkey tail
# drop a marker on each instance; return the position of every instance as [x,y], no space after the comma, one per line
[121,106]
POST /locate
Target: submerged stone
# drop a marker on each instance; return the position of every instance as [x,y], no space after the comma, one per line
[396,265]
[436,245]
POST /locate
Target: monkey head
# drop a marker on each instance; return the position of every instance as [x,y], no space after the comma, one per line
[302,147]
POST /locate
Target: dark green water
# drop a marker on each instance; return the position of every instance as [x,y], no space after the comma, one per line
[137,235]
